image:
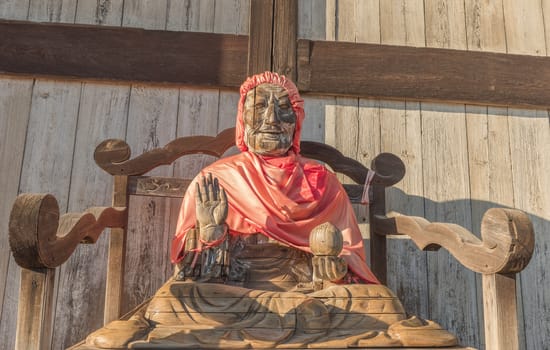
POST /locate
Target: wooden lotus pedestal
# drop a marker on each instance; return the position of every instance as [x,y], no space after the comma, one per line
[260,312]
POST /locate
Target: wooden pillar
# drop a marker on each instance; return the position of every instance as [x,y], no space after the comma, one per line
[285,33]
[34,319]
[272,37]
[117,251]
[260,39]
[500,312]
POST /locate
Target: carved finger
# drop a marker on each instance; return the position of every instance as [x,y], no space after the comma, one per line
[322,268]
[209,179]
[204,190]
[223,197]
[211,192]
[216,189]
[338,268]
[198,196]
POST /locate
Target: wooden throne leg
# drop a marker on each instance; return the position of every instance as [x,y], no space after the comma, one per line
[500,311]
[34,319]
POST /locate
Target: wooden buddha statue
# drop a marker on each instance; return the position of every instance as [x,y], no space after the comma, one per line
[269,253]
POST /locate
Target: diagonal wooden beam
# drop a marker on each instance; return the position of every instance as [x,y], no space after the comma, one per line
[127,54]
[398,72]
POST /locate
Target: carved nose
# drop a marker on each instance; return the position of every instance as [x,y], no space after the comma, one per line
[271,115]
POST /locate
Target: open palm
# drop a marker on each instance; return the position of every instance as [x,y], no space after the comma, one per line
[211,202]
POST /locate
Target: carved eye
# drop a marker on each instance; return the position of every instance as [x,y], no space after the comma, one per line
[283,103]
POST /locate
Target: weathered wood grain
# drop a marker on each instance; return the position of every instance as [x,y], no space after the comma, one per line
[260,40]
[194,15]
[487,130]
[122,54]
[311,20]
[285,28]
[198,115]
[99,12]
[113,155]
[35,324]
[53,112]
[15,98]
[147,14]
[227,110]
[402,23]
[506,245]
[524,27]
[485,25]
[152,122]
[14,9]
[313,128]
[430,74]
[530,142]
[529,139]
[499,301]
[495,82]
[546,14]
[232,16]
[446,177]
[52,11]
[367,17]
[445,171]
[116,259]
[102,114]
[40,238]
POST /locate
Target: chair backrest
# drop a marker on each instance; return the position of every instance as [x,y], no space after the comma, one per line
[130,182]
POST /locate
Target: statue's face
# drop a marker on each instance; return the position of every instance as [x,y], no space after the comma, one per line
[269,120]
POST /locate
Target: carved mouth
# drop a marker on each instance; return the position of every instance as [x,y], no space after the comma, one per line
[271,135]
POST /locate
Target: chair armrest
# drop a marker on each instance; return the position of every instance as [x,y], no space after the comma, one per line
[506,245]
[40,238]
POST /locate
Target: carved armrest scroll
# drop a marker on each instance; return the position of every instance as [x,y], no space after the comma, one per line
[113,155]
[40,238]
[388,168]
[506,246]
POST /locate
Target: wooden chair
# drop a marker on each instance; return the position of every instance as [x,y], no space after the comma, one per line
[41,239]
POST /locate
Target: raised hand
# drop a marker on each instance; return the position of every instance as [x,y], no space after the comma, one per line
[211,208]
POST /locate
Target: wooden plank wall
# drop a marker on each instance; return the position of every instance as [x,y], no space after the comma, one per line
[50,128]
[460,159]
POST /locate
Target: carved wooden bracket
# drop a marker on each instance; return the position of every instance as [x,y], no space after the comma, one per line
[40,238]
[113,155]
[388,167]
[506,246]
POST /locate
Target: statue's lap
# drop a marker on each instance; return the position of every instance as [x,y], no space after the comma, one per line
[285,313]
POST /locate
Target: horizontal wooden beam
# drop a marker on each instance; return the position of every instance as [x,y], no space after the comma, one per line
[127,54]
[220,60]
[399,72]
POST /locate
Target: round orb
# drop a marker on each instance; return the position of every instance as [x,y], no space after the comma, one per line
[326,239]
